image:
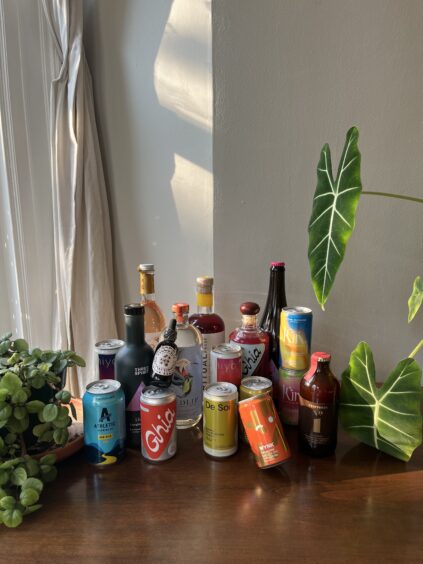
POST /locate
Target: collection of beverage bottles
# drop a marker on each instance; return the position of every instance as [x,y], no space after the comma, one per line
[163,378]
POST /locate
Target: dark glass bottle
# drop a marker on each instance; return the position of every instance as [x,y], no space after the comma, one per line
[210,324]
[270,320]
[133,370]
[165,357]
[319,397]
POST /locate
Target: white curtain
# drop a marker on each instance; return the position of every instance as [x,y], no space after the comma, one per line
[80,250]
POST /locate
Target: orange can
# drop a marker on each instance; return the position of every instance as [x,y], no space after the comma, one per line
[264,431]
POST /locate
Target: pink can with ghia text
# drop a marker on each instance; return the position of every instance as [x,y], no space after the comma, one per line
[158,424]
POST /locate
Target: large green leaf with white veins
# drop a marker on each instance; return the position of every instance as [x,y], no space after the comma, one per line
[333,215]
[416,298]
[387,418]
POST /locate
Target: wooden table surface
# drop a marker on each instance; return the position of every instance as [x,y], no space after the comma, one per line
[356,506]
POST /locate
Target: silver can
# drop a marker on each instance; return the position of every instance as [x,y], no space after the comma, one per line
[226,364]
[158,424]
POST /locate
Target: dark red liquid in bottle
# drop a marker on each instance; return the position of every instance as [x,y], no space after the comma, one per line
[318,418]
[254,342]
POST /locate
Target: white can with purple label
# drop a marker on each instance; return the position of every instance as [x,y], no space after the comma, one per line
[106,351]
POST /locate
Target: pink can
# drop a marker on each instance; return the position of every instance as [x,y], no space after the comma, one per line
[289,395]
[226,364]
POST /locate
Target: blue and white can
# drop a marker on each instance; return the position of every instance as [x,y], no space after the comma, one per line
[104,422]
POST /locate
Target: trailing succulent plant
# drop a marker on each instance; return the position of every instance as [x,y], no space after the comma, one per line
[388,417]
[34,417]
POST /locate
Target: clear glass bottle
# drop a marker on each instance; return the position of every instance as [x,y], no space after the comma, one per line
[319,397]
[254,342]
[210,325]
[133,370]
[154,318]
[187,378]
[270,320]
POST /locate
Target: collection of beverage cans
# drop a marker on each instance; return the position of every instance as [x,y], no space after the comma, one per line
[233,385]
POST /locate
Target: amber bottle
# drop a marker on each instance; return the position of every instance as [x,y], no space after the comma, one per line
[319,397]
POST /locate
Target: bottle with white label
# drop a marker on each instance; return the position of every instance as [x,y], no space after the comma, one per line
[165,357]
[254,342]
[210,324]
[154,320]
[187,377]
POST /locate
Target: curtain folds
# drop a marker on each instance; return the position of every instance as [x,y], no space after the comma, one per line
[82,235]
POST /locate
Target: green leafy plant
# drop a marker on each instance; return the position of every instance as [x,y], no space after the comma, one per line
[34,417]
[387,418]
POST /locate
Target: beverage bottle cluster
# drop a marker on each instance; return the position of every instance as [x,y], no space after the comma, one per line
[167,378]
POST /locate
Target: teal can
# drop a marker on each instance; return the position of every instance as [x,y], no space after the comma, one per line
[104,422]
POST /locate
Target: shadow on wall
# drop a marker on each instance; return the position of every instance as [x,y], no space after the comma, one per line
[150,64]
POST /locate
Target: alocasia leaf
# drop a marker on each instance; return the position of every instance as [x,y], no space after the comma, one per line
[416,298]
[387,418]
[333,215]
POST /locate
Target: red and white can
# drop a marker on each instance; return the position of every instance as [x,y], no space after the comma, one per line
[226,364]
[158,424]
[264,431]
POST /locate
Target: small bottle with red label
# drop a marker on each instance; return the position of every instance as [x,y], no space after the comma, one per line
[319,398]
[254,342]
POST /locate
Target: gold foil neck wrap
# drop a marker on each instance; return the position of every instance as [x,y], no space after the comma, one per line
[146,283]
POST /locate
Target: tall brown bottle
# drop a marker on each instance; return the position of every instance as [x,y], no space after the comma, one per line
[319,397]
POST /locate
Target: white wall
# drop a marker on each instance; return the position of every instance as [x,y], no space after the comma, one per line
[289,76]
[151,67]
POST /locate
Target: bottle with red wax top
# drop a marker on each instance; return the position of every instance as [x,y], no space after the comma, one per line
[253,341]
[319,398]
[210,325]
[270,320]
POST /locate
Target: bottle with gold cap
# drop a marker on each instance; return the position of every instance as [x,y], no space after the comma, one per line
[210,325]
[187,377]
[154,320]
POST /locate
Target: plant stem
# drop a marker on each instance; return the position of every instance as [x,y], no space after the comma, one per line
[23,445]
[416,350]
[398,196]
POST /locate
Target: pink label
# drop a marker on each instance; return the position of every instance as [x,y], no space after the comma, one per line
[229,370]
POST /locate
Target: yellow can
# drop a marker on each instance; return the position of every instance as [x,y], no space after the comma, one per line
[220,419]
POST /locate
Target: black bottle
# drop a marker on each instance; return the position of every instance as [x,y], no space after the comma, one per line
[270,320]
[165,357]
[133,370]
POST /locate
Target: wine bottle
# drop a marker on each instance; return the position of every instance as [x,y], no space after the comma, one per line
[165,357]
[154,320]
[133,370]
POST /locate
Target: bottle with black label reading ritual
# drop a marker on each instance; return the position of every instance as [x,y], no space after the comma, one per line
[319,397]
[165,357]
[270,320]
[187,377]
[210,325]
[133,370]
[254,342]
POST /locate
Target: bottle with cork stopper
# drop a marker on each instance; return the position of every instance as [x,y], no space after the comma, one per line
[154,319]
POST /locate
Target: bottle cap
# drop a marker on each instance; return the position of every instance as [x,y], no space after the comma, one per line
[249,308]
[205,282]
[277,264]
[321,356]
[146,268]
[134,309]
[180,308]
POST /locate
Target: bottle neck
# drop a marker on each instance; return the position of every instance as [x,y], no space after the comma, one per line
[134,325]
[249,321]
[323,368]
[147,287]
[204,302]
[182,320]
[276,297]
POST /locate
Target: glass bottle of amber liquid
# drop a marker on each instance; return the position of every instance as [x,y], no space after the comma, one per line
[154,320]
[319,397]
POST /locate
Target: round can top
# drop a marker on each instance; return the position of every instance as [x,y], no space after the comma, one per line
[134,309]
[181,307]
[249,308]
[152,395]
[109,346]
[297,310]
[229,350]
[221,390]
[146,267]
[101,387]
[276,264]
[291,373]
[256,383]
[321,356]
